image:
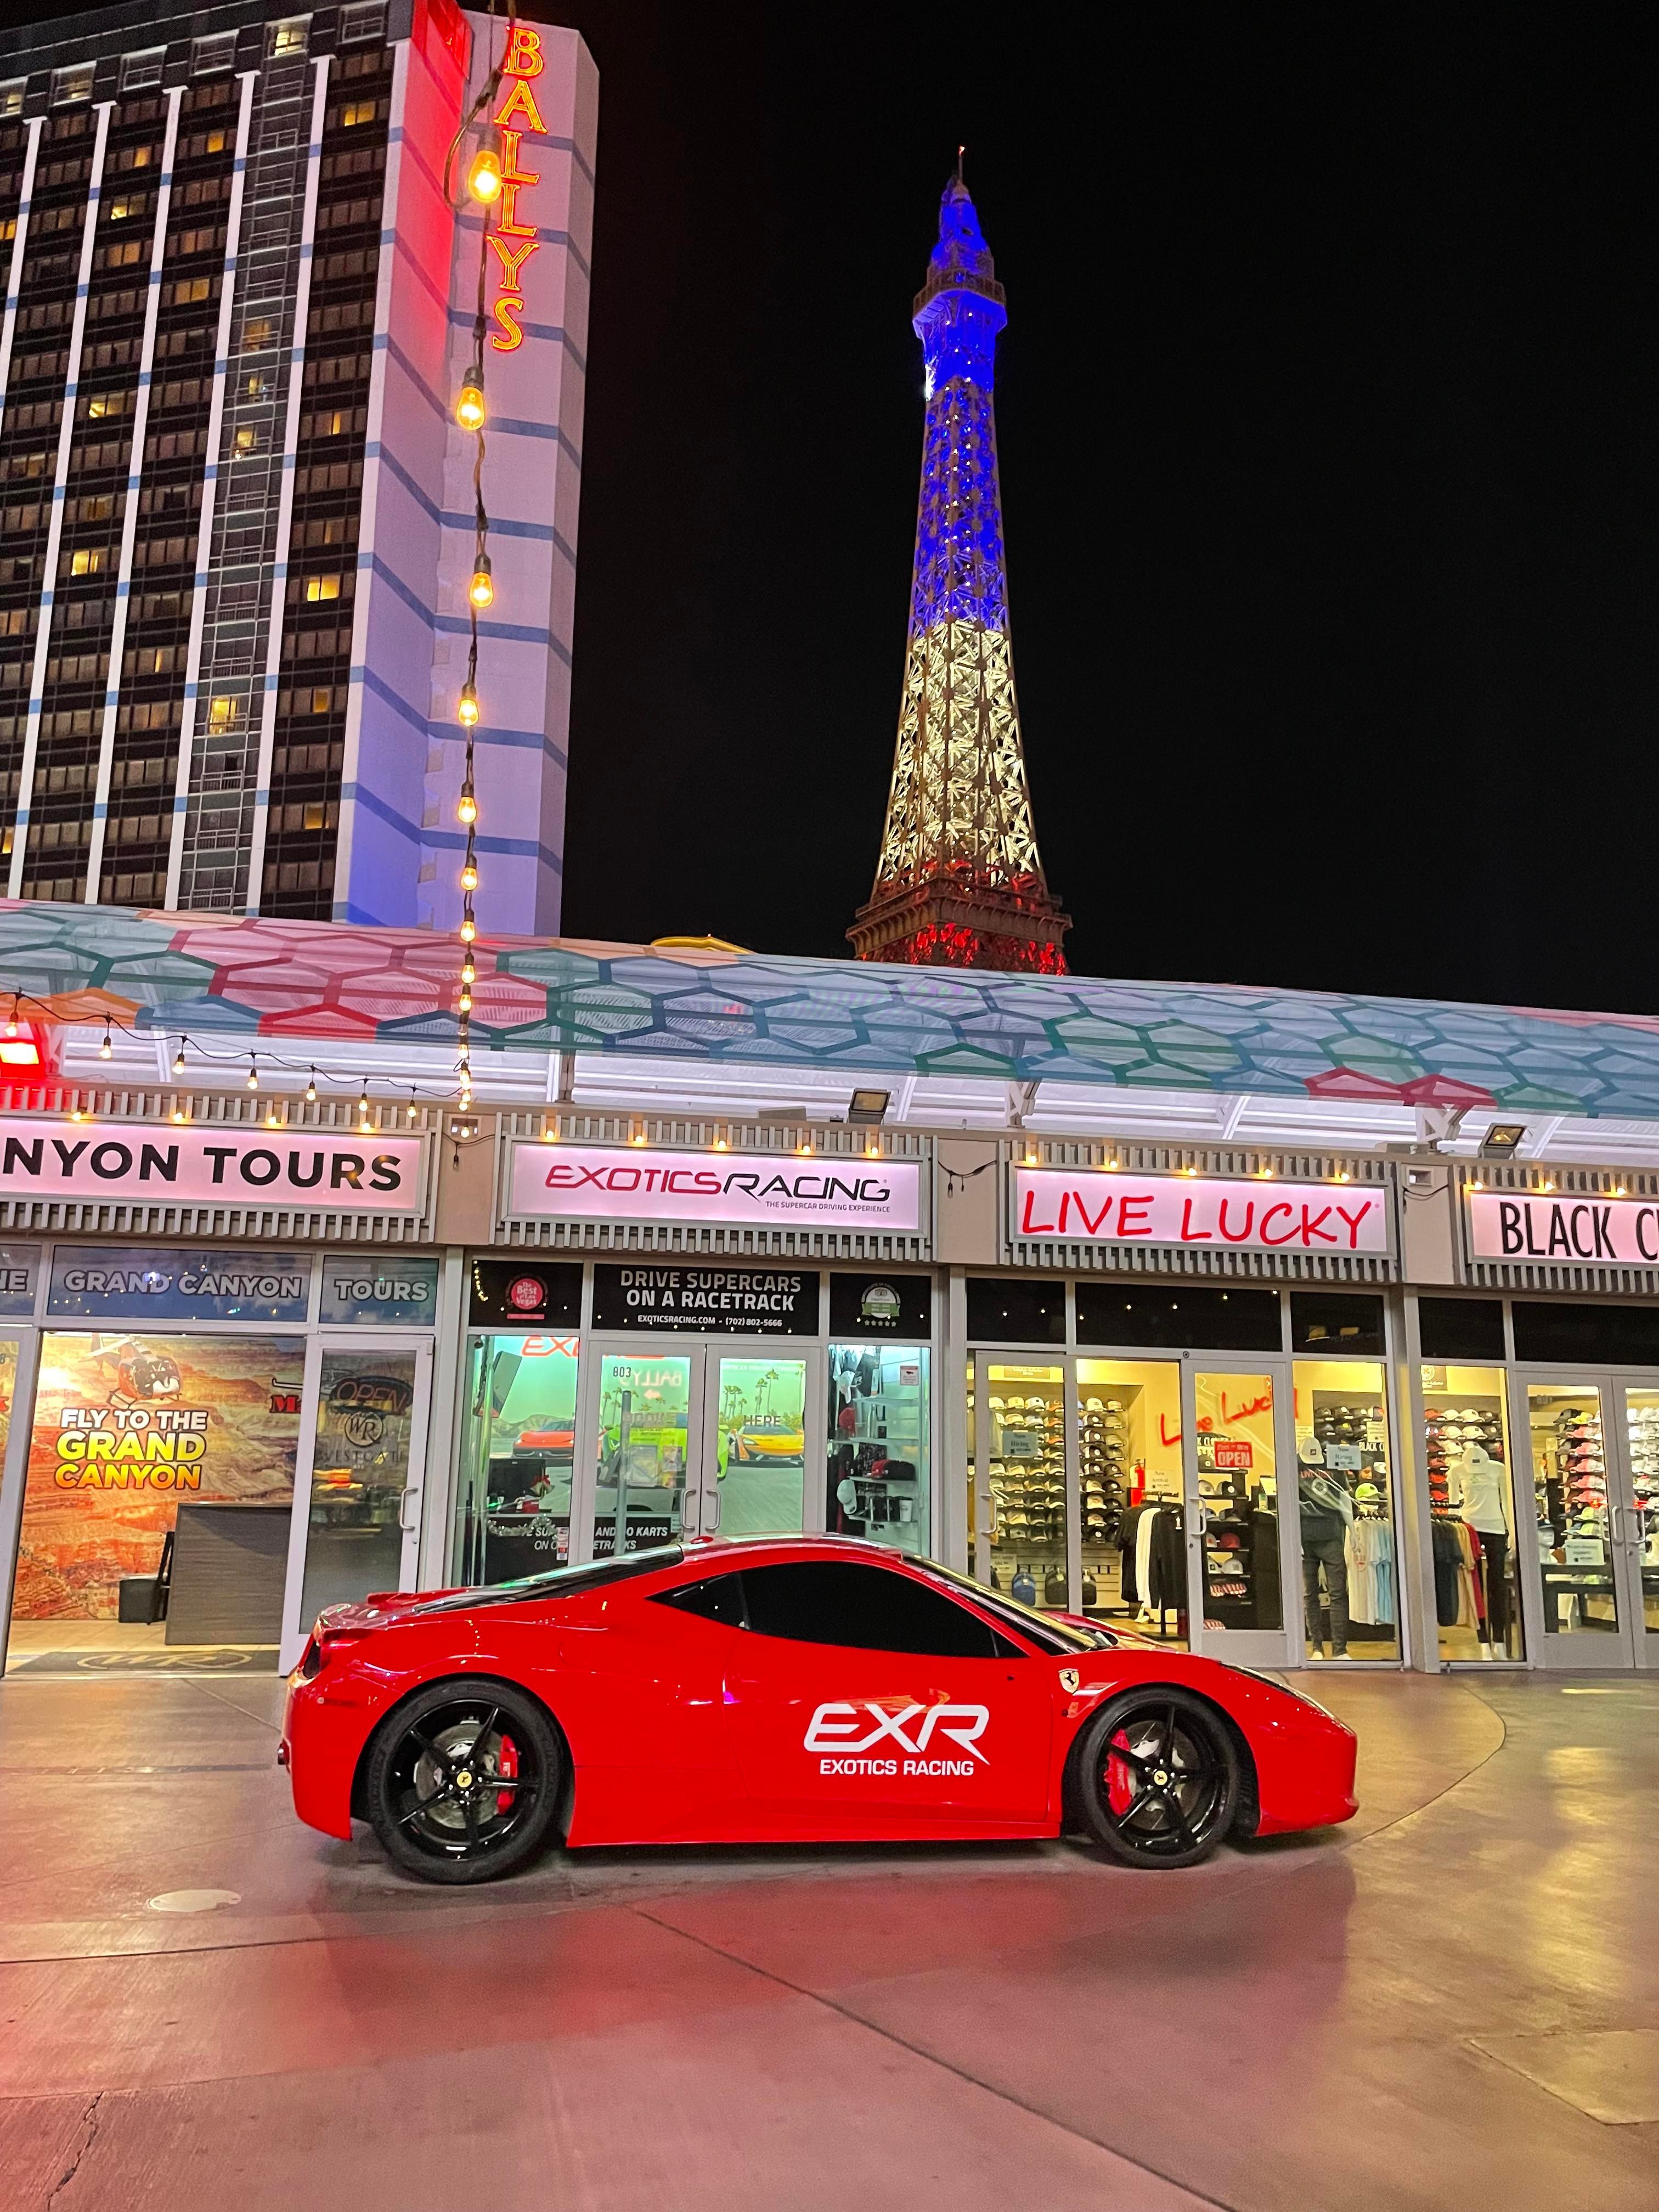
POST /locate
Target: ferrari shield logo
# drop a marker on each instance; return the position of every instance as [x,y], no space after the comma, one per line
[1069,1678]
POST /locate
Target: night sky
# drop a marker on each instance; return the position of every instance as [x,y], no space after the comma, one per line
[1326,413]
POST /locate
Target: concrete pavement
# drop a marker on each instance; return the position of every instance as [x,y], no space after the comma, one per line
[1453,2001]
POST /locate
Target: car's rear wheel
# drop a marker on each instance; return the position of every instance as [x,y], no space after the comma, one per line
[1159,1778]
[462,1782]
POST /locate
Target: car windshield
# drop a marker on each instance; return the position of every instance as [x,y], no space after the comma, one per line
[562,1582]
[1042,1627]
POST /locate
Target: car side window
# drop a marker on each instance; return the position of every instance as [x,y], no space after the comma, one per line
[720,1598]
[867,1608]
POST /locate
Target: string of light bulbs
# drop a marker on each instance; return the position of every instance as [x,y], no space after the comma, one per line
[483,188]
[331,1079]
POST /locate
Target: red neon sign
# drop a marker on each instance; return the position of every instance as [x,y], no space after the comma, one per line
[514,239]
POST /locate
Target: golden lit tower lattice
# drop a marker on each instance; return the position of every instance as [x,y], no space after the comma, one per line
[959,884]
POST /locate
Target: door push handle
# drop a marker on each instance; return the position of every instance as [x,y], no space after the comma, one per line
[403,1496]
[1616,1524]
[712,1500]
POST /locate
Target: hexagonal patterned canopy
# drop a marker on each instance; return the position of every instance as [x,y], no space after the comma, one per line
[336,983]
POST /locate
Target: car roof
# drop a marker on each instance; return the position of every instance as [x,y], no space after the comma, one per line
[711,1553]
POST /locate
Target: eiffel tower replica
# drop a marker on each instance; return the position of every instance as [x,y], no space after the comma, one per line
[959,884]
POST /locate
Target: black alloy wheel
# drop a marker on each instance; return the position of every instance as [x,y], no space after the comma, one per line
[464,1781]
[1158,1777]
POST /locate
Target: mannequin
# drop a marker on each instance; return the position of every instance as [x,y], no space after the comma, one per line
[1325,1510]
[1480,1505]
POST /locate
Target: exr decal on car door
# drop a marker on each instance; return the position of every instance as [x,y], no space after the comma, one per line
[846,1732]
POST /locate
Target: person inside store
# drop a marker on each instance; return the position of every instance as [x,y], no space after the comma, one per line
[1326,1509]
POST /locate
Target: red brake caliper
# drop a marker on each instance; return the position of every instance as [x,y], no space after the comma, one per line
[1119,1780]
[507,1764]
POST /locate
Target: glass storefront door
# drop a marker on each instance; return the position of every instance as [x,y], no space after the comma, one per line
[1480,1544]
[1129,1509]
[756,1411]
[689,1440]
[1638,1428]
[357,1527]
[1233,1425]
[1348,1569]
[1587,1438]
[1018,1498]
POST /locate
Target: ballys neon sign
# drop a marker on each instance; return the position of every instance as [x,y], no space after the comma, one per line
[514,239]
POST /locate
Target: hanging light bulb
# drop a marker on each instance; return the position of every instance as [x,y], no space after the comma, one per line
[466,807]
[311,1088]
[483,177]
[252,1073]
[470,876]
[481,590]
[362,1102]
[470,407]
[412,1109]
[468,969]
[466,707]
[464,1004]
[11,1026]
[178,1057]
[469,929]
[272,1121]
[106,1049]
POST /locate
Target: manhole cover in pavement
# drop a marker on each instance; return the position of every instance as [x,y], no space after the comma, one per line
[1610,2074]
[194,1900]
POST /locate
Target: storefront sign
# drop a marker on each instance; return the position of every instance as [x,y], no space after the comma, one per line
[640,1185]
[712,1301]
[1530,1227]
[899,1306]
[162,1283]
[520,1294]
[1258,1216]
[120,1162]
[360,1287]
[20,1271]
[515,237]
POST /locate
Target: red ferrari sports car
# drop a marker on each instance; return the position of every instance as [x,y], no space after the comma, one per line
[798,1689]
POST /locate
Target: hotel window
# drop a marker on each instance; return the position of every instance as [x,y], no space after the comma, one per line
[11,96]
[322,587]
[290,37]
[72,83]
[217,52]
[140,69]
[362,22]
[224,714]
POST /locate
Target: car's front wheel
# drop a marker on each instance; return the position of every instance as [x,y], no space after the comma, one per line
[462,1782]
[1158,1777]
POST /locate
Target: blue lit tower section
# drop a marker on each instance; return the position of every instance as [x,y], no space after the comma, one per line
[959,884]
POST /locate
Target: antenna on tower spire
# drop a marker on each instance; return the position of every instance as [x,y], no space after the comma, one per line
[961,150]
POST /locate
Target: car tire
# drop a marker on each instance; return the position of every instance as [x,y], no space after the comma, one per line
[1157,1777]
[451,1810]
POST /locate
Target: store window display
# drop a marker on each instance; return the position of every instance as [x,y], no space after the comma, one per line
[1345,1503]
[1238,1494]
[518,1449]
[1025,1452]
[1129,1494]
[879,1463]
[1642,1423]
[1569,1500]
[1472,1508]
